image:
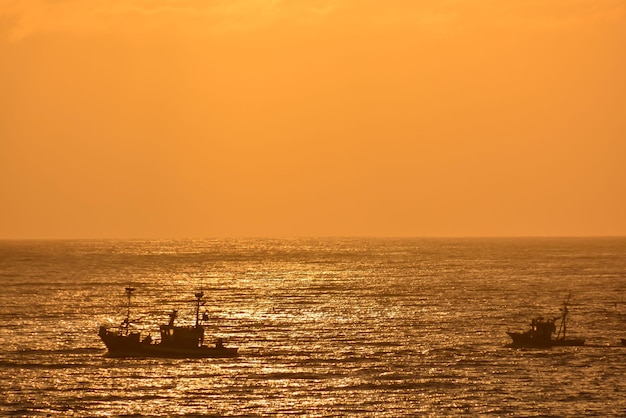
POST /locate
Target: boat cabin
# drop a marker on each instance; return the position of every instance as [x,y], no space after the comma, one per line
[542,329]
[181,336]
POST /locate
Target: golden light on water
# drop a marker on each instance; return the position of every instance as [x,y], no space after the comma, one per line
[374,326]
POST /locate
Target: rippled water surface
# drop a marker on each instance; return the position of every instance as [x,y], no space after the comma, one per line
[324,327]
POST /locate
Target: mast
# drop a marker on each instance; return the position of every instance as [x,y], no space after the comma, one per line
[129,292]
[563,327]
[199,297]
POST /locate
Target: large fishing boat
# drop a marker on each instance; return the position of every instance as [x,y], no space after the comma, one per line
[176,341]
[541,332]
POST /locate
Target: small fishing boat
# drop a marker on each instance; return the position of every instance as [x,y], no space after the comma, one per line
[541,332]
[176,341]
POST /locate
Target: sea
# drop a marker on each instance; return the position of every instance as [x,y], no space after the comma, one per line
[324,327]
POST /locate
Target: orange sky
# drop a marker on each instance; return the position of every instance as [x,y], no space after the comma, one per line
[212,118]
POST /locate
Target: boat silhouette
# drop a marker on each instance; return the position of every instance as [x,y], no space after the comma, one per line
[176,341]
[541,332]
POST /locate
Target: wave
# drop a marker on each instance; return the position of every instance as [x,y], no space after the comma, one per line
[44,352]
[8,364]
[295,376]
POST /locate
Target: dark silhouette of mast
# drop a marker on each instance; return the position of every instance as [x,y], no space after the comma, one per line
[199,297]
[129,292]
[563,327]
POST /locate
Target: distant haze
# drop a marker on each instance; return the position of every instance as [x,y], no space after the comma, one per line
[203,118]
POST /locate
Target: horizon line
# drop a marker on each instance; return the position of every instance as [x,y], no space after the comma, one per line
[289,237]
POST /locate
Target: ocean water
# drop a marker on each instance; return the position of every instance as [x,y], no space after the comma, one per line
[325,327]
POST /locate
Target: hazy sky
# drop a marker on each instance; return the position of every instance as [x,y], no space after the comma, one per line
[212,118]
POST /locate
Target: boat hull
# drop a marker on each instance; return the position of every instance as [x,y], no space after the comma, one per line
[526,339]
[131,346]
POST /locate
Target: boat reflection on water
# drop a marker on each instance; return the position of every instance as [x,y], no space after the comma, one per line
[176,341]
[541,332]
